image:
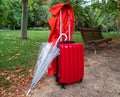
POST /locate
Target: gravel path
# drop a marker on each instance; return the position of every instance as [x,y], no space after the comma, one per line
[102,77]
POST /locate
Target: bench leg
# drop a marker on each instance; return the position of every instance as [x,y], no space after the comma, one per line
[95,50]
[92,46]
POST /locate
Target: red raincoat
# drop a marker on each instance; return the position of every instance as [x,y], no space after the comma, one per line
[67,17]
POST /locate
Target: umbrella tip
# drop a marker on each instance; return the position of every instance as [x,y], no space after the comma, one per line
[28,92]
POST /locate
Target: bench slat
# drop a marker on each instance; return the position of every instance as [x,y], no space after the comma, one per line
[91,35]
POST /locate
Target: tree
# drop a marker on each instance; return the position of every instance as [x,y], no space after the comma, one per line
[14,14]
[24,20]
[53,2]
[97,14]
[3,12]
[41,15]
[38,13]
[117,19]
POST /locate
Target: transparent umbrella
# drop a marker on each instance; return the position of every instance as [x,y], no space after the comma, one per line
[47,53]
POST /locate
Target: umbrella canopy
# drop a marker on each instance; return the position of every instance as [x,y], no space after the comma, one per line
[45,57]
[62,22]
[47,53]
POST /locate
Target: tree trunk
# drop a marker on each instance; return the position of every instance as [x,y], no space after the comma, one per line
[24,19]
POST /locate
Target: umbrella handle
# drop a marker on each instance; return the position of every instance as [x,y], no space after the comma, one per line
[60,37]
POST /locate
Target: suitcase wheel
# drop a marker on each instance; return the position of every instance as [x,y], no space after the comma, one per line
[62,85]
[80,81]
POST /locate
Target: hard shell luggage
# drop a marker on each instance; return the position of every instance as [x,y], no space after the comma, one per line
[70,63]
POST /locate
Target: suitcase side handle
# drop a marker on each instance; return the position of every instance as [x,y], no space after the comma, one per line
[60,37]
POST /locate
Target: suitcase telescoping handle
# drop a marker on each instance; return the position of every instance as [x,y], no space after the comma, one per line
[60,38]
[68,25]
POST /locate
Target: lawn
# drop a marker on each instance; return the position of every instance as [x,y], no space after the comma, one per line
[18,56]
[17,52]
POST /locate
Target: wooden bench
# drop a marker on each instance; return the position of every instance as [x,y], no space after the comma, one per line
[93,37]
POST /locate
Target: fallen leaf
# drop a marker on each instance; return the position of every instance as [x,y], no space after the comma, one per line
[31,75]
[98,91]
[8,78]
[106,54]
[17,54]
[96,58]
[88,65]
[109,91]
[96,75]
[13,75]
[18,71]
[16,67]
[5,82]
[3,73]
[3,91]
[11,58]
[30,70]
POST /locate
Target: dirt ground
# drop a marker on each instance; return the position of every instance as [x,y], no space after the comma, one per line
[101,79]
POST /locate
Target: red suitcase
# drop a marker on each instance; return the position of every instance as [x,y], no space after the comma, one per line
[70,63]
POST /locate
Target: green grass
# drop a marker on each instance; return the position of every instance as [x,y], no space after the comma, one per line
[17,52]
[110,34]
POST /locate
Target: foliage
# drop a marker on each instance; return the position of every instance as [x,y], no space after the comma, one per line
[98,14]
[14,14]
[38,15]
[53,2]
[3,12]
[11,10]
[117,18]
[80,15]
